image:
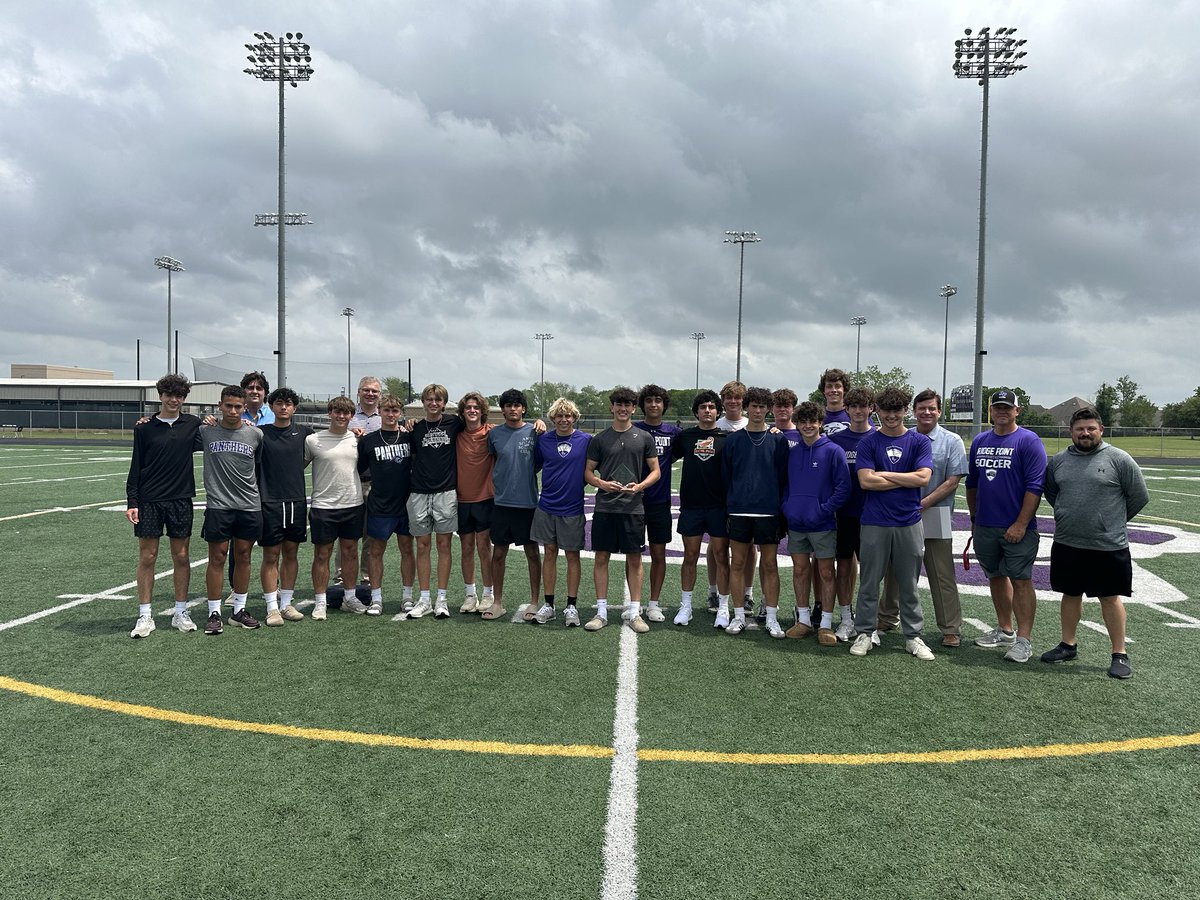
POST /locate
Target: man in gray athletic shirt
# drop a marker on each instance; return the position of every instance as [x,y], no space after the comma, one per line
[233,509]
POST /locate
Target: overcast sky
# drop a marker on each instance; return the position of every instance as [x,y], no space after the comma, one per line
[480,172]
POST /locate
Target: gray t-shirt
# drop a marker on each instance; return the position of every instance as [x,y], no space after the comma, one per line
[230,480]
[513,476]
[619,456]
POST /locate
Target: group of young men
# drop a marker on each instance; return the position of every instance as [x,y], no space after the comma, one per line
[758,467]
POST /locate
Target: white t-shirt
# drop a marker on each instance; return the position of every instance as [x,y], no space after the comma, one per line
[334,459]
[725,424]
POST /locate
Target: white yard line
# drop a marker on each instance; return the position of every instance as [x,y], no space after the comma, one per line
[620,829]
[82,462]
[57,509]
[24,482]
[1098,627]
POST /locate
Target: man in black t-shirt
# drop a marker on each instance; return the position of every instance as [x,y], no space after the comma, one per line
[284,505]
[386,456]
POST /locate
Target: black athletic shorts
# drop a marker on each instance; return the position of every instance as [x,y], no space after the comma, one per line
[511,524]
[284,520]
[225,524]
[713,521]
[658,523]
[1096,573]
[475,517]
[329,525]
[175,516]
[759,530]
[849,528]
[618,533]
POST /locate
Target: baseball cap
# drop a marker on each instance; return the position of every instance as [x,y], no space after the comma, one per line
[1003,398]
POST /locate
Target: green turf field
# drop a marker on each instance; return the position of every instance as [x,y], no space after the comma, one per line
[377,758]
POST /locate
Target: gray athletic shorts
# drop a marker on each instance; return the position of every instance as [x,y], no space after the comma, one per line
[565,532]
[1000,558]
[432,512]
[822,543]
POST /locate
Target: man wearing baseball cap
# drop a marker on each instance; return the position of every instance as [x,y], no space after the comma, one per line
[1007,469]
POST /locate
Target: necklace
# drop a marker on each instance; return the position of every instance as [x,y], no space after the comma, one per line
[759,442]
[386,441]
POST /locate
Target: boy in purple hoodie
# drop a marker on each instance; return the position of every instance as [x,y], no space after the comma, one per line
[818,484]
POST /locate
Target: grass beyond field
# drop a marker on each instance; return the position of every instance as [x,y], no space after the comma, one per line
[377,758]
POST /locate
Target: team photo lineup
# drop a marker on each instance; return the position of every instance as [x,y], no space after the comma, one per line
[860,500]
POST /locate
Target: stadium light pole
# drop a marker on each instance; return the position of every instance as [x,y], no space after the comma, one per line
[348,312]
[947,291]
[741,238]
[859,322]
[543,337]
[698,336]
[171,265]
[285,60]
[984,57]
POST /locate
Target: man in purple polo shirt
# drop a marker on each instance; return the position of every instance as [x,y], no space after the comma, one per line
[1004,486]
[654,401]
[893,464]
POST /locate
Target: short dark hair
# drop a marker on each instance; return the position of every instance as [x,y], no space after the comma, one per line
[173,384]
[808,412]
[622,394]
[784,397]
[512,395]
[893,398]
[287,395]
[833,375]
[859,396]
[759,396]
[654,390]
[340,404]
[250,377]
[928,394]
[705,396]
[232,390]
[1086,412]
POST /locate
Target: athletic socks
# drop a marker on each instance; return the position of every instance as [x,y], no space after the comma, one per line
[685,598]
[739,614]
[285,598]
[144,609]
[441,595]
[272,599]
[214,606]
[424,597]
[408,589]
[376,595]
[571,601]
[826,620]
[548,599]
[803,616]
[180,606]
[239,602]
[772,615]
[847,613]
[469,589]
[602,608]
[635,608]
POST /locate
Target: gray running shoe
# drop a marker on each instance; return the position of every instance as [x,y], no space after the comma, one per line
[571,617]
[350,603]
[143,627]
[182,621]
[1020,651]
[996,638]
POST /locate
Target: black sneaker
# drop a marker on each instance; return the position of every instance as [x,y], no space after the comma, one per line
[213,625]
[1061,653]
[714,603]
[1120,667]
[749,603]
[244,619]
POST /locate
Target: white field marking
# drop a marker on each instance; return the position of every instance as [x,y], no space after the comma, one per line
[1186,620]
[1168,521]
[82,462]
[1169,477]
[620,828]
[57,509]
[1168,500]
[1176,493]
[1097,626]
[22,482]
[976,623]
[115,593]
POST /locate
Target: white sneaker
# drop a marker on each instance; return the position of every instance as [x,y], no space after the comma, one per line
[571,617]
[774,629]
[544,614]
[684,616]
[919,649]
[182,621]
[350,603]
[376,608]
[422,607]
[875,639]
[441,609]
[861,645]
[655,614]
[144,627]
[318,611]
[737,626]
[470,605]
[596,623]
[722,619]
[845,630]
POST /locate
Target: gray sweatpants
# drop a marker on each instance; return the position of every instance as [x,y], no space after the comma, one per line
[900,549]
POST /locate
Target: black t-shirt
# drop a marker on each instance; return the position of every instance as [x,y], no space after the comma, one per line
[702,482]
[281,463]
[387,456]
[435,455]
[161,467]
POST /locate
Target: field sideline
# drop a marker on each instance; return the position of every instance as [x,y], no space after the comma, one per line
[373,757]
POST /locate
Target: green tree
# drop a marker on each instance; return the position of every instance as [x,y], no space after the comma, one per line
[398,387]
[1135,409]
[876,380]
[1106,403]
[1184,414]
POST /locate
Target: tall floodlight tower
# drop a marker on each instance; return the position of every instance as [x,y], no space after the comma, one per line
[741,238]
[171,265]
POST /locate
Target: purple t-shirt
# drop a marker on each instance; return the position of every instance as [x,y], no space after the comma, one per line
[835,421]
[848,440]
[1002,469]
[900,507]
[793,437]
[663,433]
[562,461]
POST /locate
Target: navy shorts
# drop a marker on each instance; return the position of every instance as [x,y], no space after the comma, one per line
[713,521]
[381,528]
[658,522]
[511,525]
[759,530]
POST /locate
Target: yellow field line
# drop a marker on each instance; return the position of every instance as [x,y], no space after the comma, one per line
[1168,521]
[593,751]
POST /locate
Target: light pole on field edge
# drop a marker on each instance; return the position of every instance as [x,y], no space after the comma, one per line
[984,57]
[171,265]
[698,336]
[947,291]
[284,59]
[741,238]
[348,312]
[543,337]
[858,321]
